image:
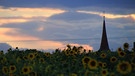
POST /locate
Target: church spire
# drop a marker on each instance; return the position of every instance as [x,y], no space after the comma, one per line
[104,42]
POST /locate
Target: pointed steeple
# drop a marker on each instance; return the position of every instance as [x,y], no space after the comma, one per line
[104,41]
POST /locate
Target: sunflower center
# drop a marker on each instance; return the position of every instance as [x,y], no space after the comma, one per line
[42,60]
[123,67]
[25,69]
[100,64]
[104,72]
[113,59]
[31,56]
[93,63]
[5,70]
[12,68]
[122,54]
[86,60]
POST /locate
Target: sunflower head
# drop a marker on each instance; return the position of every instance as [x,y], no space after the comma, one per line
[67,53]
[1,52]
[133,66]
[26,70]
[124,67]
[73,74]
[31,56]
[90,73]
[104,72]
[103,55]
[5,69]
[47,54]
[93,64]
[112,74]
[12,68]
[32,73]
[41,60]
[85,60]
[119,49]
[113,59]
[121,54]
[100,64]
[25,57]
[126,46]
[18,59]
[104,64]
[72,52]
[3,60]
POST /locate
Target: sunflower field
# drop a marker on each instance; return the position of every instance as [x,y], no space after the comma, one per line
[72,61]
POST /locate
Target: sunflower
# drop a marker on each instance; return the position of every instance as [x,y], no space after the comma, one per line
[31,56]
[72,52]
[18,59]
[11,74]
[133,66]
[5,69]
[133,60]
[112,74]
[12,68]
[60,75]
[47,54]
[126,46]
[103,55]
[119,49]
[32,73]
[100,64]
[90,73]
[132,54]
[104,72]
[124,67]
[73,74]
[26,70]
[41,60]
[92,64]
[25,57]
[76,51]
[104,64]
[3,60]
[1,52]
[113,59]
[121,54]
[35,54]
[67,53]
[48,69]
[85,60]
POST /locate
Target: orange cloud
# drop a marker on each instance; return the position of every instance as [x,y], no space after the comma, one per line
[37,44]
[25,41]
[132,16]
[87,47]
[5,21]
[29,12]
[17,15]
[41,28]
[15,35]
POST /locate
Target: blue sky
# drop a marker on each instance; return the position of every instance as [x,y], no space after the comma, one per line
[45,24]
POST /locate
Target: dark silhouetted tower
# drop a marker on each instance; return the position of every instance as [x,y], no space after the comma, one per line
[104,42]
[134,46]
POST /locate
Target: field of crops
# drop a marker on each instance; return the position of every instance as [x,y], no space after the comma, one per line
[72,61]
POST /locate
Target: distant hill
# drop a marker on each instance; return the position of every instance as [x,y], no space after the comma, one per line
[4,47]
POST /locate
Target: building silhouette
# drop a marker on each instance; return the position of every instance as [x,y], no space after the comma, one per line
[104,41]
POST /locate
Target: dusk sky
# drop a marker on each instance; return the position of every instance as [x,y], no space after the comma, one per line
[51,24]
